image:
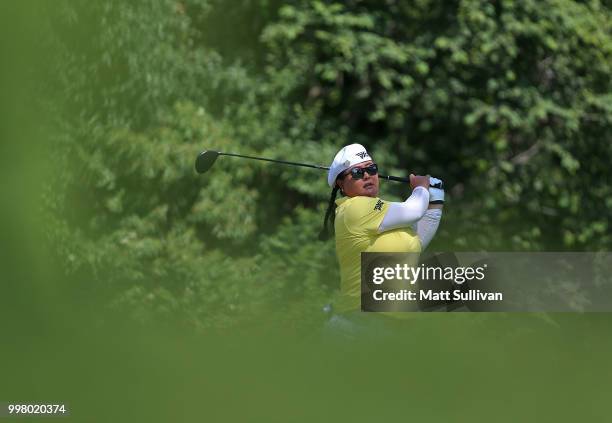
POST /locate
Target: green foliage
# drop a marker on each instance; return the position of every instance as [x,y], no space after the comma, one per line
[508,102]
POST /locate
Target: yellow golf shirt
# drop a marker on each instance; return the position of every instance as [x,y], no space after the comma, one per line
[356,227]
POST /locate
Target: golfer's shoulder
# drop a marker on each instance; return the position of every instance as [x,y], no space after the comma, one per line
[360,206]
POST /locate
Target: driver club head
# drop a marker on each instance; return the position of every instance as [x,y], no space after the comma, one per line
[205,160]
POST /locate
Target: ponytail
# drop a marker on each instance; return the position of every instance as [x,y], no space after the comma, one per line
[330,215]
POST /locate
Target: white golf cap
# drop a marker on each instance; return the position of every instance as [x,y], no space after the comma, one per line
[347,157]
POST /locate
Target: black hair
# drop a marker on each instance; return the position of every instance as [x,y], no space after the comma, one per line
[330,215]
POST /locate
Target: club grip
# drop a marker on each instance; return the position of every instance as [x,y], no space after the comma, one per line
[439,185]
[395,178]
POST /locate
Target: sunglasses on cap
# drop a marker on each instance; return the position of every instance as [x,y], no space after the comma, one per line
[358,172]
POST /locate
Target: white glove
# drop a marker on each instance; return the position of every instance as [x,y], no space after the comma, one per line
[436,191]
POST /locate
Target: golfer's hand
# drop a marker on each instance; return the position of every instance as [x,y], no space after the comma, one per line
[419,181]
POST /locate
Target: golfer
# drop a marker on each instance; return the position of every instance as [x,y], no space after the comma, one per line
[362,222]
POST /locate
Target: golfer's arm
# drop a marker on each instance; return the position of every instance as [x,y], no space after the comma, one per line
[427,227]
[401,215]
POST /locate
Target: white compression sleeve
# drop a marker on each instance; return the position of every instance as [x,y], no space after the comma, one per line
[426,227]
[400,215]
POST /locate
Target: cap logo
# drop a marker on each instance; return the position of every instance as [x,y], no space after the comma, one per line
[362,154]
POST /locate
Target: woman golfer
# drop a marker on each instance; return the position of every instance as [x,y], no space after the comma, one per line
[362,222]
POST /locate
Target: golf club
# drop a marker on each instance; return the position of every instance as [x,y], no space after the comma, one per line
[207,158]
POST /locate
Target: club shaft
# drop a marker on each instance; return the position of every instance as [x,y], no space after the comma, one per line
[387,177]
[276,161]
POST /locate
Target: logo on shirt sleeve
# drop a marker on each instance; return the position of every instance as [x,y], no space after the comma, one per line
[379,205]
